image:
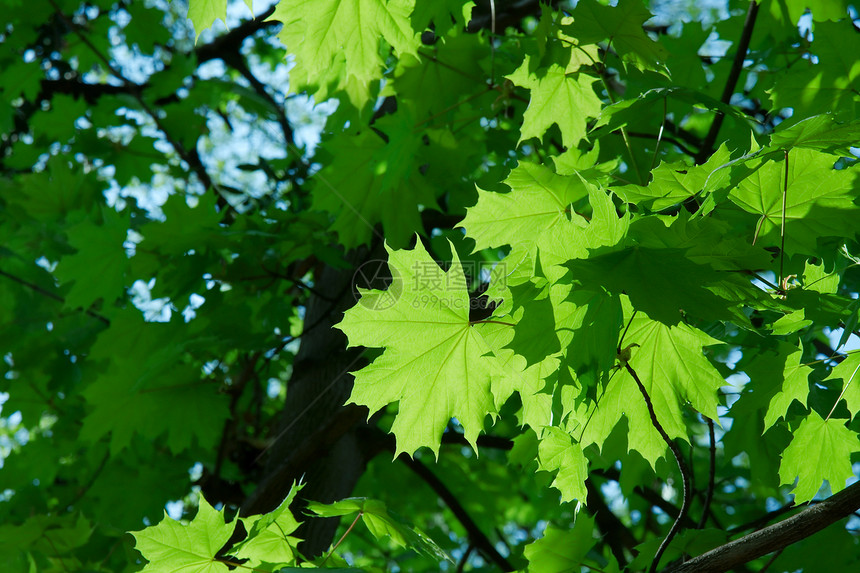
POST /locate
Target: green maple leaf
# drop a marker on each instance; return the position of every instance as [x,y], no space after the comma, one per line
[849,371]
[321,32]
[795,386]
[185,228]
[590,331]
[558,96]
[821,9]
[704,240]
[660,282]
[560,551]
[820,450]
[556,451]
[269,539]
[673,183]
[819,200]
[97,269]
[650,103]
[144,388]
[124,407]
[415,77]
[172,547]
[622,26]
[442,14]
[606,228]
[673,369]
[434,362]
[370,181]
[816,278]
[821,132]
[203,14]
[791,322]
[516,375]
[382,522]
[538,201]
[831,84]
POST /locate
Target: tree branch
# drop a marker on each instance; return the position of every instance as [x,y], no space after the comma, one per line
[507,13]
[777,536]
[476,536]
[709,496]
[616,534]
[731,82]
[36,288]
[682,467]
[231,42]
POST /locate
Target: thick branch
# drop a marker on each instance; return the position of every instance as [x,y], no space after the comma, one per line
[777,536]
[231,42]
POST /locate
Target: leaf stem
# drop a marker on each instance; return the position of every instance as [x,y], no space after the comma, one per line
[492,322]
[659,135]
[841,394]
[624,135]
[682,467]
[626,328]
[342,537]
[782,223]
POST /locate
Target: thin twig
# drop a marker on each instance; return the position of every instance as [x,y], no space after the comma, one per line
[763,520]
[476,536]
[770,561]
[492,42]
[82,491]
[623,129]
[36,288]
[709,496]
[134,90]
[626,328]
[682,467]
[465,558]
[731,82]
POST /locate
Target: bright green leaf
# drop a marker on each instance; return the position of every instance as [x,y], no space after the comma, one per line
[795,386]
[561,98]
[820,450]
[560,551]
[381,522]
[173,547]
[556,451]
[849,372]
[434,364]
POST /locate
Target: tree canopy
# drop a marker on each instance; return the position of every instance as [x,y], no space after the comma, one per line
[518,285]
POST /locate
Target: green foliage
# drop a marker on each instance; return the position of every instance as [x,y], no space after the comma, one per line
[382,523]
[597,273]
[445,375]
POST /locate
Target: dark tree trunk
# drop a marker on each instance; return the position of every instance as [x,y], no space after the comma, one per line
[316,440]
